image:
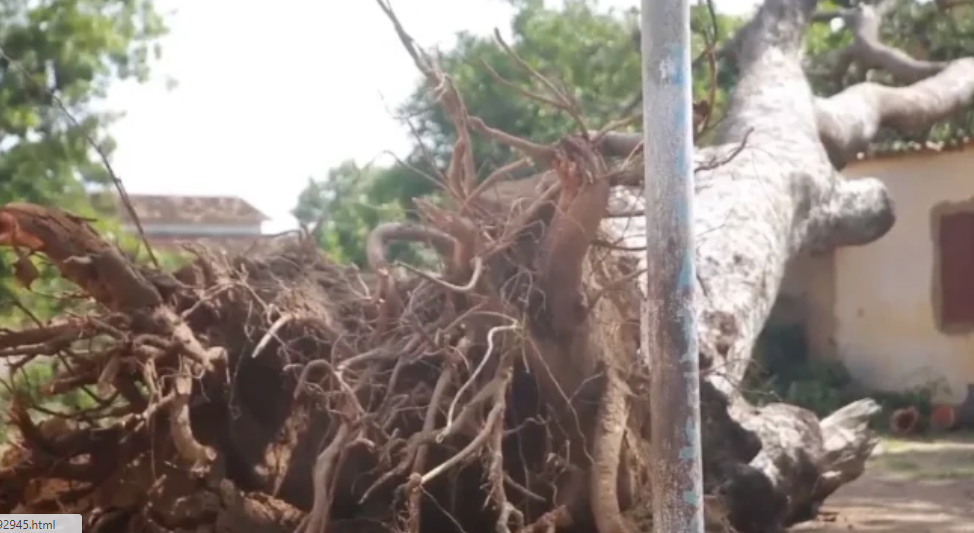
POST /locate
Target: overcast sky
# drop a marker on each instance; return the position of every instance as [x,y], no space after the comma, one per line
[272,93]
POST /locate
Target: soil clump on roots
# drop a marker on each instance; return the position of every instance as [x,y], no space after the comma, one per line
[277,391]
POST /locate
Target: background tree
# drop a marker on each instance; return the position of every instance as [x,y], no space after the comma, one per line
[59,57]
[349,202]
[590,49]
[595,51]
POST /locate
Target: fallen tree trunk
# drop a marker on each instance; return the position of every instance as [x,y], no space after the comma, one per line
[768,191]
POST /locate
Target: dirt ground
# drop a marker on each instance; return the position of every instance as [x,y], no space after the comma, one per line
[910,487]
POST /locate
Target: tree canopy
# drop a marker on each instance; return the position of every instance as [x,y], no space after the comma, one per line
[586,48]
[59,58]
[595,52]
[590,49]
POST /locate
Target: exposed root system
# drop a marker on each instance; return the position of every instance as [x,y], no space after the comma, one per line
[498,391]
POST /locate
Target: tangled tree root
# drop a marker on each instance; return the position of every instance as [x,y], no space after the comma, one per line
[278,391]
[430,403]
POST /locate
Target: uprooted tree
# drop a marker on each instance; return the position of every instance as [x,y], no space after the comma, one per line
[280,392]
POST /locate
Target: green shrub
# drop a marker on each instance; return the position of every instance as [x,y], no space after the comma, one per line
[783,370]
[27,383]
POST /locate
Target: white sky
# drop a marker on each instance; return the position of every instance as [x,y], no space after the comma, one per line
[271,93]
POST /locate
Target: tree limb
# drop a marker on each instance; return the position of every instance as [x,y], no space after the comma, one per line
[866,49]
[850,120]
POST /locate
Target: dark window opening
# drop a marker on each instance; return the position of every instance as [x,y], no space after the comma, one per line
[956,249]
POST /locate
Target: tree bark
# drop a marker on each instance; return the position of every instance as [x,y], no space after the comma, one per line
[760,205]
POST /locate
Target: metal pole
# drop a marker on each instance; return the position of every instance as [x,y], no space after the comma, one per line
[669,327]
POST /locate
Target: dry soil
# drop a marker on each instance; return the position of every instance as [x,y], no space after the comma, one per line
[919,486]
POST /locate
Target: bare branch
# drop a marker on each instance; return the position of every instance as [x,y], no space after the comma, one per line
[850,120]
[869,52]
[562,100]
[461,173]
[541,154]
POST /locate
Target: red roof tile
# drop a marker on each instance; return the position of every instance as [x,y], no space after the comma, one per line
[173,209]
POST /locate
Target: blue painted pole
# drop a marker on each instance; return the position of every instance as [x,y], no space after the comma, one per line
[669,327]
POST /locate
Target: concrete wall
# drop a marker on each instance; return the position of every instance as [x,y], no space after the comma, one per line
[209,230]
[873,306]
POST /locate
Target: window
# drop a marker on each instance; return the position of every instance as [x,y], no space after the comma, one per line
[955,244]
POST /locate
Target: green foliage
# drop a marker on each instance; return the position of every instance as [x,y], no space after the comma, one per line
[349,203]
[587,51]
[590,53]
[26,383]
[784,370]
[64,53]
[925,30]
[43,301]
[28,380]
[58,58]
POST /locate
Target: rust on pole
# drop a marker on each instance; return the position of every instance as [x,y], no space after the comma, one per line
[669,325]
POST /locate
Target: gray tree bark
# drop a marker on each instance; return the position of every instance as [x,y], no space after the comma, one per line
[779,195]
